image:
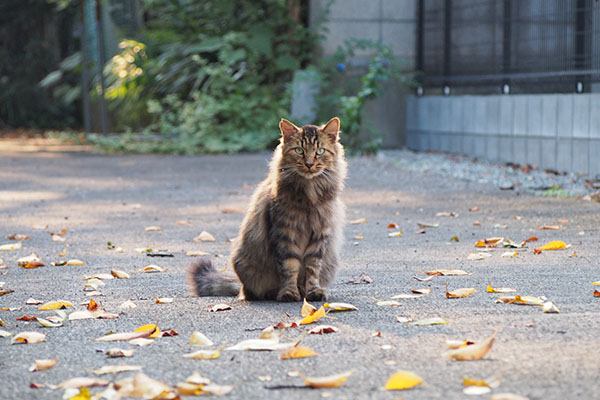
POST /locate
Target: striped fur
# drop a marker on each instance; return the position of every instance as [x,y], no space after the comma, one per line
[289,242]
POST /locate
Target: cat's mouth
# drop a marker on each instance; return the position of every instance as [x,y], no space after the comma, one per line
[310,173]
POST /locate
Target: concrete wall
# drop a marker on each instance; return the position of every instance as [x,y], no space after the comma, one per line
[555,131]
[391,21]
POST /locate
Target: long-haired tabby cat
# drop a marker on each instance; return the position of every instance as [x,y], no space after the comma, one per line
[288,244]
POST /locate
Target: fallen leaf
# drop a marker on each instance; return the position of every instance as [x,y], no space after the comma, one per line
[596,293]
[459,293]
[596,283]
[511,244]
[421,231]
[217,390]
[489,242]
[17,236]
[204,237]
[510,254]
[427,225]
[426,279]
[152,268]
[472,352]
[394,234]
[10,246]
[142,386]
[31,301]
[478,256]
[521,300]
[232,210]
[220,307]
[27,318]
[321,329]
[456,344]
[153,228]
[205,354]
[119,274]
[361,279]
[406,296]
[359,237]
[55,305]
[507,396]
[4,333]
[554,245]
[199,339]
[421,291]
[530,239]
[41,365]
[128,304]
[79,382]
[272,344]
[476,390]
[476,223]
[490,289]
[28,338]
[309,319]
[115,369]
[169,333]
[550,308]
[197,253]
[307,309]
[549,227]
[152,328]
[446,214]
[58,263]
[49,324]
[125,336]
[75,262]
[474,209]
[297,352]
[163,300]
[358,221]
[326,381]
[429,321]
[143,250]
[385,303]
[392,226]
[403,380]
[454,239]
[57,238]
[5,291]
[447,272]
[183,223]
[117,353]
[141,342]
[99,276]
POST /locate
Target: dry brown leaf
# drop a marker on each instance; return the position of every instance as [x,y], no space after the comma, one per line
[446,214]
[474,209]
[124,336]
[41,365]
[32,302]
[117,353]
[392,226]
[459,293]
[321,329]
[472,352]
[142,386]
[476,223]
[447,272]
[549,227]
[403,380]
[596,293]
[204,237]
[31,261]
[232,210]
[297,352]
[17,236]
[521,300]
[28,338]
[6,291]
[426,279]
[489,242]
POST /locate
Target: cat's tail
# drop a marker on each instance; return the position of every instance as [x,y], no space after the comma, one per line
[205,280]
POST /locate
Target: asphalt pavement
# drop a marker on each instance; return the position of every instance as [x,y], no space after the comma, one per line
[108,198]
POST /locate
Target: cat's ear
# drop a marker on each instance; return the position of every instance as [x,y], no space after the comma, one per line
[332,129]
[287,128]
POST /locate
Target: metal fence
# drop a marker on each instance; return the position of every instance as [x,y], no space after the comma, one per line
[508,46]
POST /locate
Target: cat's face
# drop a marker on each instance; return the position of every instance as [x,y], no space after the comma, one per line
[311,150]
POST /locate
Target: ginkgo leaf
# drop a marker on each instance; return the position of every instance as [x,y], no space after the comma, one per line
[490,289]
[510,254]
[28,338]
[80,382]
[205,354]
[429,321]
[297,352]
[4,333]
[153,268]
[124,336]
[447,272]
[142,386]
[596,293]
[204,237]
[403,380]
[394,234]
[309,319]
[196,253]
[48,324]
[554,245]
[40,365]
[521,300]
[115,369]
[421,291]
[152,328]
[199,339]
[472,352]
[11,246]
[31,261]
[478,256]
[119,274]
[459,293]
[217,390]
[550,308]
[75,262]
[307,309]
[163,300]
[358,221]
[338,307]
[456,344]
[321,329]
[220,307]
[326,381]
[510,243]
[55,305]
[117,353]
[153,228]
[596,283]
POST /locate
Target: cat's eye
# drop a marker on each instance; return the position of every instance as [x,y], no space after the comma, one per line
[299,150]
[320,151]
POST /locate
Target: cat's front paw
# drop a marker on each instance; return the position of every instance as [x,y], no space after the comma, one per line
[316,294]
[288,295]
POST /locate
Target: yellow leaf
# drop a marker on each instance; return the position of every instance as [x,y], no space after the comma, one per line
[473,382]
[596,283]
[75,262]
[307,309]
[326,381]
[150,327]
[403,380]
[205,354]
[480,243]
[55,305]
[472,352]
[309,319]
[84,394]
[555,245]
[395,234]
[447,272]
[359,236]
[297,352]
[490,289]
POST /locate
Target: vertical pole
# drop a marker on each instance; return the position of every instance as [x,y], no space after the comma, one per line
[420,61]
[507,40]
[447,40]
[101,62]
[85,90]
[580,42]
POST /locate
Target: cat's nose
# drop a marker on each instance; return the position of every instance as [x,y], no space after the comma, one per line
[309,164]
